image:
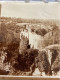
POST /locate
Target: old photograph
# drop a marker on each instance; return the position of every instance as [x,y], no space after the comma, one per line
[29,39]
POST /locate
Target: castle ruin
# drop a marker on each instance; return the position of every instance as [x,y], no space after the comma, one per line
[29,39]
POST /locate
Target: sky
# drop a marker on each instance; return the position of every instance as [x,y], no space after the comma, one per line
[31,10]
[30,0]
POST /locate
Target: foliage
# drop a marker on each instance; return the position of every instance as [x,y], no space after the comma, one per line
[26,60]
[41,32]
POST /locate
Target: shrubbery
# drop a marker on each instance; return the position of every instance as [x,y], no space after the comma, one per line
[41,32]
[25,60]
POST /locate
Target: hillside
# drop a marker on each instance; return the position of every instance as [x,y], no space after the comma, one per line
[44,34]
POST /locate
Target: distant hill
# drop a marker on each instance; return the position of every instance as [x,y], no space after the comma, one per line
[21,20]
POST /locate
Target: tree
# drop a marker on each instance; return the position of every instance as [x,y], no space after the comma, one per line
[25,60]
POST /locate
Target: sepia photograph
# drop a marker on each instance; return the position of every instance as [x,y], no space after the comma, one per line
[29,39]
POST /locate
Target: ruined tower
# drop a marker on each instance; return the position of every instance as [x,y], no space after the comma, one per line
[24,41]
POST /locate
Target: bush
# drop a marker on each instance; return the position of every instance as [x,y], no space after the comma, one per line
[41,32]
[12,51]
[32,30]
[25,60]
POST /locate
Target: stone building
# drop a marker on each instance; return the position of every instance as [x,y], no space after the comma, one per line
[29,39]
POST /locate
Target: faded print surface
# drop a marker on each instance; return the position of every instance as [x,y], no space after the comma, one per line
[29,39]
